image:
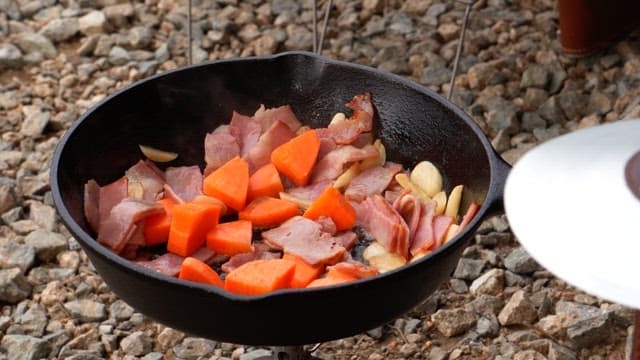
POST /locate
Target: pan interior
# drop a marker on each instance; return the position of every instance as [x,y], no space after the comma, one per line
[174,112]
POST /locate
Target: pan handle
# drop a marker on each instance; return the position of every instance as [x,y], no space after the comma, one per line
[500,170]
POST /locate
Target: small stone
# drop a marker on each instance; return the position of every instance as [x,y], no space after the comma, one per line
[458,286]
[469,269]
[515,280]
[194,347]
[590,331]
[558,352]
[518,310]
[535,76]
[118,56]
[448,31]
[120,310]
[479,75]
[488,326]
[415,7]
[46,243]
[13,254]
[438,353]
[573,104]
[10,56]
[60,29]
[599,103]
[373,5]
[376,333]
[153,356]
[136,344]
[41,275]
[168,338]
[528,355]
[578,311]
[485,304]
[256,354]
[25,347]
[490,283]
[13,285]
[86,310]
[32,322]
[34,123]
[69,259]
[520,262]
[118,14]
[531,121]
[551,111]
[92,23]
[453,322]
[503,118]
[140,37]
[30,42]
[53,293]
[436,75]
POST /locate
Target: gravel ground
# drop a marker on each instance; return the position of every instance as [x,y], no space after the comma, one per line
[58,57]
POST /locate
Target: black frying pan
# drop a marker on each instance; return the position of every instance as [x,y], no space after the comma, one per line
[174,110]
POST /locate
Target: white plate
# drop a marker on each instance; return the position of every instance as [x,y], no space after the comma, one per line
[569,205]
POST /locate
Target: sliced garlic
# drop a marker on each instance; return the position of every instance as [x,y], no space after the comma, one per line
[453,204]
[156,155]
[302,204]
[451,232]
[441,202]
[135,190]
[345,179]
[407,184]
[338,118]
[427,177]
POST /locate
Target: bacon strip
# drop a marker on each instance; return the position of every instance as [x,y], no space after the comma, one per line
[332,164]
[185,181]
[220,146]
[120,226]
[143,174]
[371,181]
[384,224]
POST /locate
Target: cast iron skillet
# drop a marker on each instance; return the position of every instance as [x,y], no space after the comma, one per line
[174,110]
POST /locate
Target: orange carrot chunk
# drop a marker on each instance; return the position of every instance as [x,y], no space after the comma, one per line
[205,199]
[295,158]
[229,183]
[331,203]
[260,277]
[333,277]
[305,273]
[195,270]
[265,182]
[267,211]
[190,223]
[230,238]
[156,227]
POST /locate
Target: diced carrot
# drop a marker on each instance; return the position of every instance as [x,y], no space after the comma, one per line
[229,183]
[230,238]
[190,223]
[265,182]
[211,200]
[295,158]
[305,273]
[267,211]
[260,277]
[156,227]
[333,277]
[195,270]
[331,203]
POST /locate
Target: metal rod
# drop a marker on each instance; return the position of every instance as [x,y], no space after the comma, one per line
[635,346]
[189,33]
[315,26]
[324,27]
[456,61]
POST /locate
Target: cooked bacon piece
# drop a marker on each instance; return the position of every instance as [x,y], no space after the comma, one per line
[441,224]
[363,139]
[91,204]
[141,174]
[384,224]
[410,208]
[303,237]
[185,181]
[240,259]
[116,229]
[266,117]
[346,239]
[355,268]
[327,224]
[220,146]
[309,192]
[332,164]
[327,144]
[155,169]
[170,194]
[423,237]
[347,131]
[371,181]
[248,131]
[110,195]
[168,264]
[278,134]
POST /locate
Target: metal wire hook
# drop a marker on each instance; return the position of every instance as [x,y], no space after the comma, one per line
[189,33]
[463,31]
[317,45]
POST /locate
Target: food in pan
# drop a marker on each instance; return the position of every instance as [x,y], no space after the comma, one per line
[279,205]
